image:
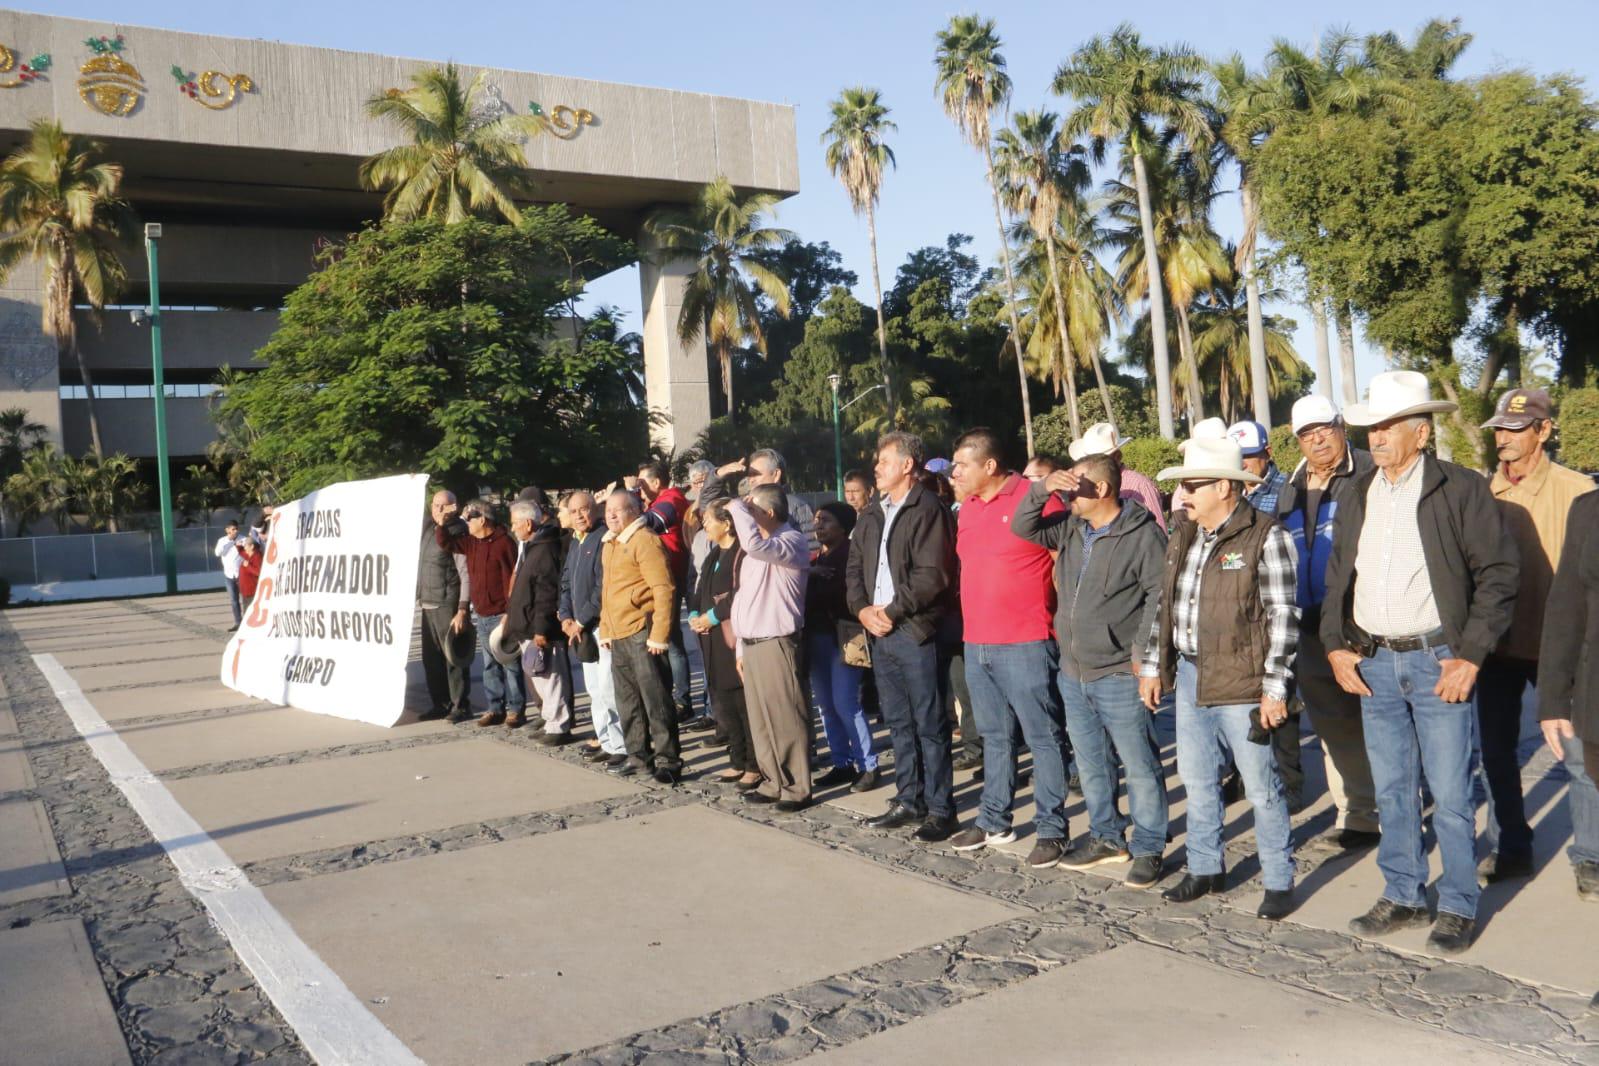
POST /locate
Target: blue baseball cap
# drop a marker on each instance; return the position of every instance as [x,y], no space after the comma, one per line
[936,466]
[1249,436]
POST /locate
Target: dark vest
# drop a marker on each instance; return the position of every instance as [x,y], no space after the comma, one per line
[437,580]
[1231,621]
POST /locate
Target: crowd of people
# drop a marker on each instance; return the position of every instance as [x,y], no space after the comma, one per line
[1399,604]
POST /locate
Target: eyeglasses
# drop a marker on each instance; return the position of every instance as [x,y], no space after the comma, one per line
[1192,487]
[470,515]
[1315,433]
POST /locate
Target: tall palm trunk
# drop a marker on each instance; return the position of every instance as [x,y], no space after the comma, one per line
[1157,299]
[1185,351]
[724,356]
[1344,317]
[65,332]
[882,333]
[1010,297]
[1259,373]
[1068,357]
[1324,370]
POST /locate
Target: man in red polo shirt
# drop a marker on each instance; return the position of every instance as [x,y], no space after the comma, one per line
[664,508]
[1007,593]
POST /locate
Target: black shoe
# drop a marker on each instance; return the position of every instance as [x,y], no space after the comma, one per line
[1502,867]
[615,760]
[897,816]
[685,710]
[699,724]
[597,755]
[1095,852]
[433,714]
[1193,886]
[838,775]
[718,740]
[1386,916]
[790,806]
[934,830]
[1145,872]
[1046,853]
[555,740]
[868,781]
[1358,839]
[967,761]
[1451,934]
[459,716]
[627,767]
[748,786]
[1277,905]
[753,796]
[1587,874]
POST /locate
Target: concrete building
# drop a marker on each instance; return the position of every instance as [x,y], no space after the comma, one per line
[249,163]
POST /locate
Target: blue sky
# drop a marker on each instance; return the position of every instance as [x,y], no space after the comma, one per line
[803,53]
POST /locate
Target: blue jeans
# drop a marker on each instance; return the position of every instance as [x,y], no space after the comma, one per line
[504,686]
[1011,685]
[1106,717]
[1583,800]
[234,599]
[908,693]
[1204,736]
[837,691]
[1409,730]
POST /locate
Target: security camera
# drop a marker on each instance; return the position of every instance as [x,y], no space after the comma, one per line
[140,317]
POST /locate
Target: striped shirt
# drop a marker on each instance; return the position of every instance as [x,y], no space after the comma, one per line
[1393,591]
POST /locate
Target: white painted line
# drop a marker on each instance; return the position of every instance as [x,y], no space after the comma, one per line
[331,1021]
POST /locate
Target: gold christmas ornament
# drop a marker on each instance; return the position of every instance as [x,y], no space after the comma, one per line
[108,83]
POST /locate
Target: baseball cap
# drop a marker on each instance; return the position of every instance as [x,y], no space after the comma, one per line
[1314,411]
[1249,436]
[1519,408]
[936,466]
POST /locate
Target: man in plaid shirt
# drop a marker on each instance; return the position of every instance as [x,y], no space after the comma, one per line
[1225,639]
[1252,441]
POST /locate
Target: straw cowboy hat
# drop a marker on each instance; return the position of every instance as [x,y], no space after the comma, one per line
[1205,429]
[1100,439]
[1210,457]
[505,652]
[1395,394]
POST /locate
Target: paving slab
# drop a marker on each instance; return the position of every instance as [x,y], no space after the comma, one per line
[53,1005]
[244,734]
[284,810]
[14,773]
[30,865]
[202,666]
[8,721]
[168,699]
[587,935]
[1207,1015]
[194,647]
[147,635]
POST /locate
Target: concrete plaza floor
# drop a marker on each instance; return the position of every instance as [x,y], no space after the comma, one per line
[488,900]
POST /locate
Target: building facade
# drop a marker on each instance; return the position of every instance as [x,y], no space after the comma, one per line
[247,152]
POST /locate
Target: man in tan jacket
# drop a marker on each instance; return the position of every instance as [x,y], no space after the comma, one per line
[635,623]
[1535,496]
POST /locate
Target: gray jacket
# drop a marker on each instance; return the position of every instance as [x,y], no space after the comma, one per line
[1102,621]
[441,579]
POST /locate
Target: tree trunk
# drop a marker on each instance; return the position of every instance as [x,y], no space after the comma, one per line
[1068,357]
[1157,299]
[882,333]
[1344,316]
[1324,370]
[1259,372]
[1185,351]
[1010,294]
[65,331]
[724,355]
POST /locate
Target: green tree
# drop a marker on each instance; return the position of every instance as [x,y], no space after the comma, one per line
[38,491]
[725,238]
[811,270]
[102,489]
[463,157]
[1221,324]
[973,83]
[379,367]
[201,491]
[1142,97]
[60,208]
[19,437]
[857,156]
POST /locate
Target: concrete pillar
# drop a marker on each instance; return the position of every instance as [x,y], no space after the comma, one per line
[29,366]
[676,375]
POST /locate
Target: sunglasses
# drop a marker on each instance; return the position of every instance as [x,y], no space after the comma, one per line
[1192,487]
[472,514]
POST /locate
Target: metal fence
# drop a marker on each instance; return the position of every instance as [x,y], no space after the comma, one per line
[99,556]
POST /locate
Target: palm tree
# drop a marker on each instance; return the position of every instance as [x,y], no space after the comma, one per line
[39,490]
[921,410]
[1128,91]
[856,155]
[1222,347]
[463,158]
[972,81]
[725,238]
[1040,180]
[59,207]
[19,436]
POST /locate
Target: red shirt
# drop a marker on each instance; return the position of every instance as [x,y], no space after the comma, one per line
[1007,583]
[667,513]
[249,573]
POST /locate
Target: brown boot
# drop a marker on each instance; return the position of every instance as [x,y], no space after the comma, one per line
[514,720]
[492,718]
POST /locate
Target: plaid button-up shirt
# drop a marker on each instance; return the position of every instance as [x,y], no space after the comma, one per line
[1278,583]
[1263,497]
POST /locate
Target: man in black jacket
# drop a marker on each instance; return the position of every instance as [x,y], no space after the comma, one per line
[900,562]
[1420,588]
[443,596]
[531,616]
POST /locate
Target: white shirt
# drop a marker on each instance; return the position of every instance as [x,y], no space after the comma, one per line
[1393,591]
[883,587]
[227,550]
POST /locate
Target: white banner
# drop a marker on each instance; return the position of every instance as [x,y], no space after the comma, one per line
[329,629]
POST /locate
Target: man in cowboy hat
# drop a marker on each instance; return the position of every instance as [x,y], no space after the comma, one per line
[1225,638]
[1536,495]
[1420,587]
[1101,439]
[1309,509]
[1204,429]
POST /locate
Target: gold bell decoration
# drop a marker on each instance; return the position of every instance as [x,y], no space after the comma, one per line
[108,83]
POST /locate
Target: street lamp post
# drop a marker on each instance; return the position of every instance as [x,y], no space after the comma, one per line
[838,441]
[152,234]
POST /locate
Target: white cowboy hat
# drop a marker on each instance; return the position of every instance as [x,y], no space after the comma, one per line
[505,652]
[1205,429]
[1209,457]
[1099,439]
[1395,394]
